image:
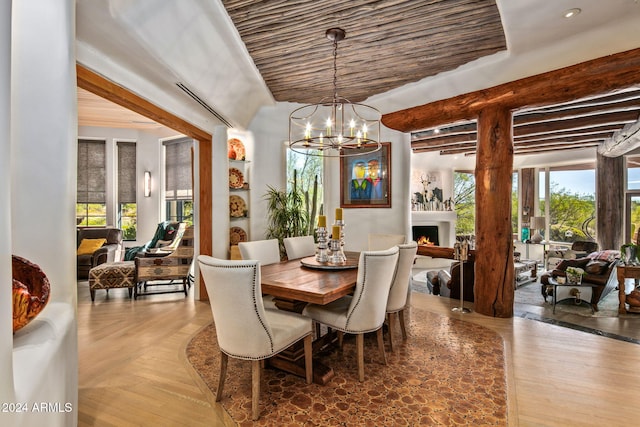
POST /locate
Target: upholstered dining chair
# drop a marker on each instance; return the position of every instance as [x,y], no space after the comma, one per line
[364,311]
[400,288]
[299,247]
[265,251]
[380,242]
[244,329]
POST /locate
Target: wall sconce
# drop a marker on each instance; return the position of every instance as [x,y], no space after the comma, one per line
[147,183]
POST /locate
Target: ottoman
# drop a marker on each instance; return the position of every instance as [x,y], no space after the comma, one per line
[119,274]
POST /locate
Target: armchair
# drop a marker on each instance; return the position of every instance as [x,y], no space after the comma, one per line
[166,270]
[447,283]
[111,250]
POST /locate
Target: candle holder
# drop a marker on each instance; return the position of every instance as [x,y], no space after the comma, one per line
[336,257]
[461,253]
[323,253]
[340,223]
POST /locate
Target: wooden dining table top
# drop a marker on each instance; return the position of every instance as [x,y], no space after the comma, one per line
[293,281]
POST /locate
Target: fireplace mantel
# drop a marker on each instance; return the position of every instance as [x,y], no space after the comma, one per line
[445,220]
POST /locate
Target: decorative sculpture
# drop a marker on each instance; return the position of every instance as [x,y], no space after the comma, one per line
[31,290]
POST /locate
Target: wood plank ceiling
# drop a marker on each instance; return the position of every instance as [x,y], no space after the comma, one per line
[388,43]
[582,123]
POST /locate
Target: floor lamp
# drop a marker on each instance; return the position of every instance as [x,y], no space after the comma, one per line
[461,253]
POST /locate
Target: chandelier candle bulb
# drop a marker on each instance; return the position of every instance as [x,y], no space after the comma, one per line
[307,132]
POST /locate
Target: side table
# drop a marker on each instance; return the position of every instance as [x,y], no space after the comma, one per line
[626,272]
[522,267]
[553,282]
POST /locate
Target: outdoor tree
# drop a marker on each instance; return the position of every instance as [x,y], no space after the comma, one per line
[464,193]
[571,215]
[307,171]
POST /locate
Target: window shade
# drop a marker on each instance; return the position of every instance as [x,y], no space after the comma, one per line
[126,172]
[178,169]
[91,171]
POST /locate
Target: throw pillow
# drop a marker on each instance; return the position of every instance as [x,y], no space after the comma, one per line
[89,246]
[608,255]
[596,267]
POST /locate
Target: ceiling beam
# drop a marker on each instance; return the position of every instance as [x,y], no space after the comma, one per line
[107,89]
[589,78]
[623,141]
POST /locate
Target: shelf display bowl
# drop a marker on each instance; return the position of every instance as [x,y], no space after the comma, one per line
[31,290]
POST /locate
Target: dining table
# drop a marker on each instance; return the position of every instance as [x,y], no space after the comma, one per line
[298,282]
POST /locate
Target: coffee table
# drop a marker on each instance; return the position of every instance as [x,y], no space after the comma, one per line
[554,282]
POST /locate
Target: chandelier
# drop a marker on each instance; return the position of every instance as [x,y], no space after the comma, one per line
[335,127]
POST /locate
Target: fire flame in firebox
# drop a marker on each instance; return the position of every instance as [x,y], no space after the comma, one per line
[422,240]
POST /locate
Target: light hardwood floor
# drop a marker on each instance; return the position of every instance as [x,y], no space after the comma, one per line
[133,371]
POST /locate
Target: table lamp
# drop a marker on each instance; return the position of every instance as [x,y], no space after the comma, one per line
[537,224]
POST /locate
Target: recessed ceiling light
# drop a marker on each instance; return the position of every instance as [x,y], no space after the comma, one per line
[570,13]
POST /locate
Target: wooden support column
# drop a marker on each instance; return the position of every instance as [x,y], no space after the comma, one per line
[610,202]
[494,271]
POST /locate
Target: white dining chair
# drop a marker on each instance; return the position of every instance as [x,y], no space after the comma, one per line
[364,311]
[299,247]
[244,329]
[400,289]
[265,251]
[380,242]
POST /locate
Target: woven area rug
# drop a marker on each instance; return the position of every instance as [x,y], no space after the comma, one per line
[448,372]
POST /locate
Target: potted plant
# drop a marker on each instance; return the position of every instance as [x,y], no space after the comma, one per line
[286,214]
[574,275]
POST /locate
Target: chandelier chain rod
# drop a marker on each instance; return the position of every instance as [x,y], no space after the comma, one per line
[335,71]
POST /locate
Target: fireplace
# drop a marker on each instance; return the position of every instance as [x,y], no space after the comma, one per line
[426,234]
[443,221]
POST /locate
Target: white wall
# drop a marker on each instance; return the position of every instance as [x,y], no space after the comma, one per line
[42,211]
[270,130]
[6,339]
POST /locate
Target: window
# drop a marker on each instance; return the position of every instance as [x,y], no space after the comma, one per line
[127,208]
[306,171]
[632,214]
[179,180]
[91,207]
[464,193]
[571,212]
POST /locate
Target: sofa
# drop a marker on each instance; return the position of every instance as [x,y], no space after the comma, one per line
[446,283]
[579,249]
[110,249]
[600,269]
